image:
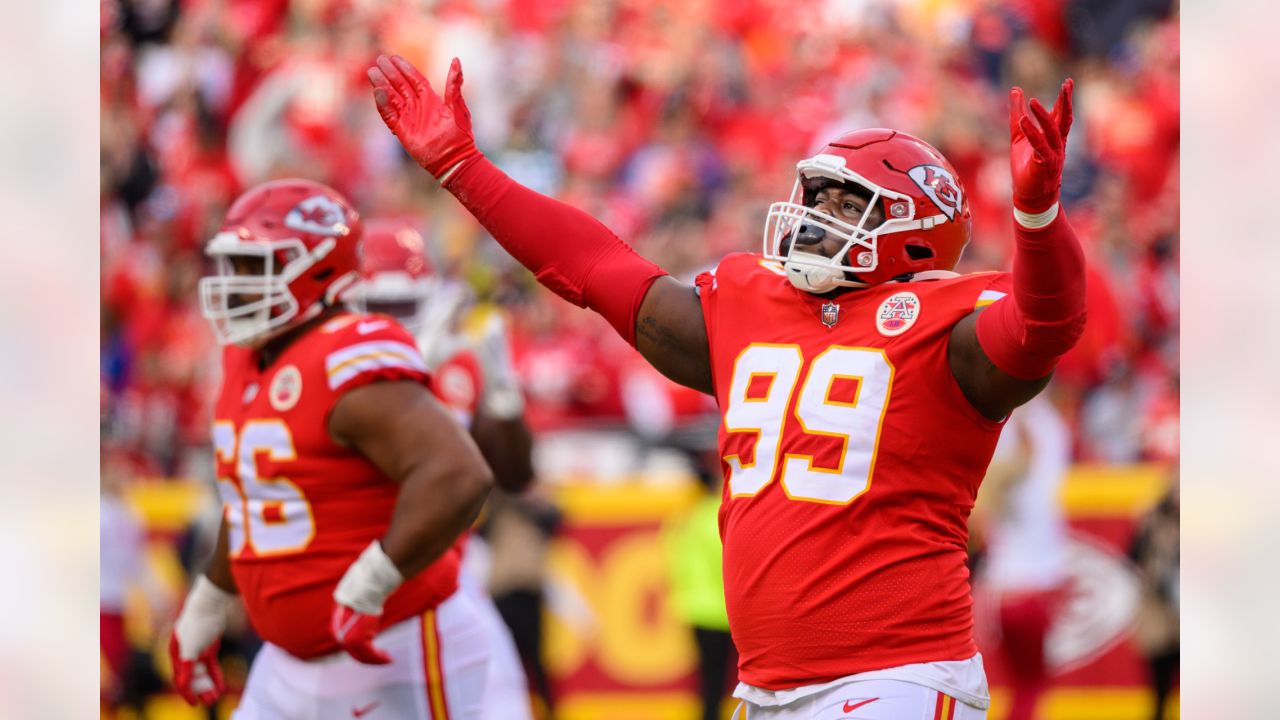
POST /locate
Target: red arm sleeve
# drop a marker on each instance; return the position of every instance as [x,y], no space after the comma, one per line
[1026,332]
[570,252]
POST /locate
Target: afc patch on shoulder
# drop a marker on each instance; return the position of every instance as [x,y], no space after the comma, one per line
[897,313]
[286,388]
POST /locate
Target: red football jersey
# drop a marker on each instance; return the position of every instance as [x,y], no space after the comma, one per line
[459,382]
[300,508]
[851,462]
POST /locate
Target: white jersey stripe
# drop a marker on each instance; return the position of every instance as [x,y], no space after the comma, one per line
[349,362]
[987,297]
[394,347]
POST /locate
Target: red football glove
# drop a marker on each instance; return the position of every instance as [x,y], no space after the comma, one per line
[357,604]
[1038,152]
[355,632]
[198,681]
[193,647]
[436,132]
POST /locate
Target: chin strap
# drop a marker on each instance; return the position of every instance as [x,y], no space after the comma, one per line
[933,275]
[817,278]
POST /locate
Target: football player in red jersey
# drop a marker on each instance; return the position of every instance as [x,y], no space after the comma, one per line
[862,386]
[477,381]
[472,372]
[345,485]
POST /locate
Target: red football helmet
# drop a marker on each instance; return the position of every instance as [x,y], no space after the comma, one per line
[926,221]
[398,276]
[400,280]
[286,250]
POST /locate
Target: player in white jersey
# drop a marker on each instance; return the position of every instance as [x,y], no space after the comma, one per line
[476,379]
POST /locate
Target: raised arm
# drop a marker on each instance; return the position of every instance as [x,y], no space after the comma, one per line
[569,252]
[1004,354]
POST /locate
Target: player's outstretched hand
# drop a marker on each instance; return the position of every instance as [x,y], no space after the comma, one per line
[355,632]
[435,131]
[1038,149]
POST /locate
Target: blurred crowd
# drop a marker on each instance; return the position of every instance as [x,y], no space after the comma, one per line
[676,123]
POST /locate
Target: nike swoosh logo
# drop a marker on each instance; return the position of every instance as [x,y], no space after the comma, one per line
[855,706]
[364,328]
[361,712]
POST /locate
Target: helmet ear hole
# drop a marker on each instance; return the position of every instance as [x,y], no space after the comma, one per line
[919,252]
[323,274]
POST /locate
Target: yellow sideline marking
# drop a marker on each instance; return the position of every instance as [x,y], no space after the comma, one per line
[1103,490]
[168,506]
[1089,490]
[632,501]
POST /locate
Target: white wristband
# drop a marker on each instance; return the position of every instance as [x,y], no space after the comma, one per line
[1035,221]
[445,177]
[203,617]
[368,582]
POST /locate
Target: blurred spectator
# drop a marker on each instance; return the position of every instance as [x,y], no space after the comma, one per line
[1155,550]
[518,529]
[1023,571]
[120,565]
[1098,26]
[124,571]
[693,549]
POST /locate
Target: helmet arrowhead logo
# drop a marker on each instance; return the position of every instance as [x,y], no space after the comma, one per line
[317,215]
[940,186]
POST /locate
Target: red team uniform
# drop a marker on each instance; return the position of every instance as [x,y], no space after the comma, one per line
[848,554]
[852,454]
[308,504]
[459,382]
[399,278]
[299,508]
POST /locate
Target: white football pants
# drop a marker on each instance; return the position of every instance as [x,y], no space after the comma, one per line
[439,669]
[867,700]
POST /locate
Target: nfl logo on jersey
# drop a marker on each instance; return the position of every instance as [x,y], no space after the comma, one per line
[830,314]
